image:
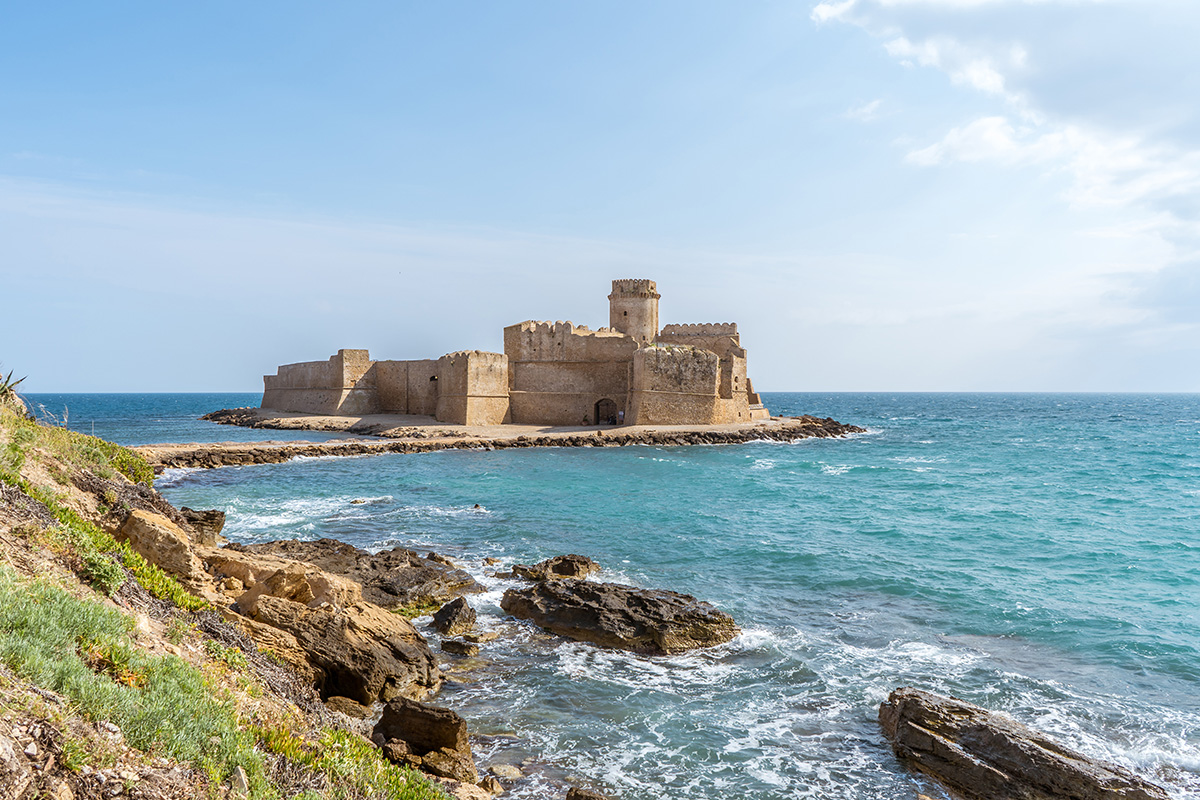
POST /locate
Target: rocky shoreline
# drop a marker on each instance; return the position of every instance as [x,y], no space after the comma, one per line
[422,440]
[303,602]
[331,635]
[339,616]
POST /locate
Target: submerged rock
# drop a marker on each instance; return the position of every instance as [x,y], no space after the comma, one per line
[460,648]
[568,566]
[648,621]
[391,578]
[991,756]
[575,793]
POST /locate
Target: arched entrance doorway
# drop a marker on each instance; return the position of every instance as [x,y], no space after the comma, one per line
[606,412]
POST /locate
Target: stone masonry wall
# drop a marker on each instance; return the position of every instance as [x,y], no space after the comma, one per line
[344,384]
[674,384]
[558,372]
[473,388]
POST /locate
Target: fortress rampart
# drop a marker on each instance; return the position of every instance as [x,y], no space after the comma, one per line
[552,373]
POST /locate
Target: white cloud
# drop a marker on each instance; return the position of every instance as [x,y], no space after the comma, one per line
[829,11]
[965,65]
[1106,169]
[867,112]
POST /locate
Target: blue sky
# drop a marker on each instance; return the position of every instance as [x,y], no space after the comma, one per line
[994,195]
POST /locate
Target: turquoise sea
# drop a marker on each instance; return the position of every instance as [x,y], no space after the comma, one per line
[1033,553]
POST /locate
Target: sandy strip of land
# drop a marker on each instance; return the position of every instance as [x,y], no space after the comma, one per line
[390,433]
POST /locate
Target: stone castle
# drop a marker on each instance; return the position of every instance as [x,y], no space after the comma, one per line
[556,373]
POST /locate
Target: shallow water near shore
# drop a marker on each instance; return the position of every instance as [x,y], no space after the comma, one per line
[1036,554]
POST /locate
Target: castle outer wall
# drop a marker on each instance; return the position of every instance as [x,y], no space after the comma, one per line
[549,374]
[465,388]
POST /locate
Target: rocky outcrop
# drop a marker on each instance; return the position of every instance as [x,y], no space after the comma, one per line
[259,574]
[991,756]
[389,578]
[207,525]
[648,621]
[361,651]
[454,618]
[165,544]
[320,624]
[427,737]
[568,566]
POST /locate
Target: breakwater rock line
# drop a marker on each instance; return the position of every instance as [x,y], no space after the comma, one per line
[780,429]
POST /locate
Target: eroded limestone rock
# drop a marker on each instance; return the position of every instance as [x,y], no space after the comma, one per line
[575,793]
[207,525]
[568,566]
[454,618]
[991,756]
[286,578]
[361,652]
[459,648]
[165,544]
[390,578]
[430,738]
[16,774]
[648,621]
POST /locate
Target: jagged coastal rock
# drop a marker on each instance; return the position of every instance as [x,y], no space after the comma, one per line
[991,756]
[207,525]
[389,578]
[454,618]
[426,737]
[647,621]
[568,566]
[316,621]
[361,652]
[575,793]
[160,541]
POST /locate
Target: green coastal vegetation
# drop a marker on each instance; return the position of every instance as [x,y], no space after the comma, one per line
[178,694]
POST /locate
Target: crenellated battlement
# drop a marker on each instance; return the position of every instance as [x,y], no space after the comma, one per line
[634,287]
[558,328]
[700,329]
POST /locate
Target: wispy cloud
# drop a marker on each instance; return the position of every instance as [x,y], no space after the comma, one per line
[1106,169]
[867,112]
[966,65]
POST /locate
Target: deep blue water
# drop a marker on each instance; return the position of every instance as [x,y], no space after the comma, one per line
[1037,554]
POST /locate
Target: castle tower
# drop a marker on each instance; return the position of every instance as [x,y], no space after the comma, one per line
[633,309]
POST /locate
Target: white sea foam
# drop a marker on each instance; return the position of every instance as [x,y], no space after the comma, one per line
[174,476]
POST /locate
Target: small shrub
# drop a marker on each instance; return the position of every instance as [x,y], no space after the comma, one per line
[75,754]
[353,766]
[179,630]
[230,656]
[103,572]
